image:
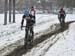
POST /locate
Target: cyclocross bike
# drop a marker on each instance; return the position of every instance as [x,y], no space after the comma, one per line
[28,37]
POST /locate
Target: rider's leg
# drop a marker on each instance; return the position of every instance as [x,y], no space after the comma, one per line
[64,20]
[60,20]
[31,30]
[26,34]
[34,19]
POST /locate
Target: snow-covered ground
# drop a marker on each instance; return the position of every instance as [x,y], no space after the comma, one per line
[62,44]
[64,47]
[11,33]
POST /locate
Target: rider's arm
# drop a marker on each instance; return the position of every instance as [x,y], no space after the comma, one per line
[22,20]
[33,20]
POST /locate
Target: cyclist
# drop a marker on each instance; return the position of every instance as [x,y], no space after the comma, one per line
[61,16]
[32,12]
[29,22]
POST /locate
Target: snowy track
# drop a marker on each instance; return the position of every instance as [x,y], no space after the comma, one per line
[9,32]
[14,30]
[43,43]
[47,33]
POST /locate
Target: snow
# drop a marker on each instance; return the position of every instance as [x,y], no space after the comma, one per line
[70,17]
[59,46]
[12,32]
[64,47]
[62,44]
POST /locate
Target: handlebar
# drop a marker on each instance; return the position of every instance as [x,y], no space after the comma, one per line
[26,26]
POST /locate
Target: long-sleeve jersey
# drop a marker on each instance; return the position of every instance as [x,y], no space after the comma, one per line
[29,20]
[62,13]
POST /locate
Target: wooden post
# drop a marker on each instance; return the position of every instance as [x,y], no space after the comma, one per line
[10,11]
[5,12]
[13,11]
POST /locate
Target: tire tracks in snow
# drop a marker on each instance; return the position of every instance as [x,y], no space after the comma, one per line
[50,42]
[16,30]
[20,50]
[11,31]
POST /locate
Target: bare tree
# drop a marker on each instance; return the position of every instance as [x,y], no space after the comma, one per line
[13,11]
[10,10]
[5,10]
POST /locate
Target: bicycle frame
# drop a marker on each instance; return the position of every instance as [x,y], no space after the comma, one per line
[28,36]
[62,22]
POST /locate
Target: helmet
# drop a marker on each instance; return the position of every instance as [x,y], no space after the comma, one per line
[32,7]
[61,9]
[26,12]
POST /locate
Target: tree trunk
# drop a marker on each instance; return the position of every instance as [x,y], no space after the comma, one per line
[5,12]
[10,11]
[13,11]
